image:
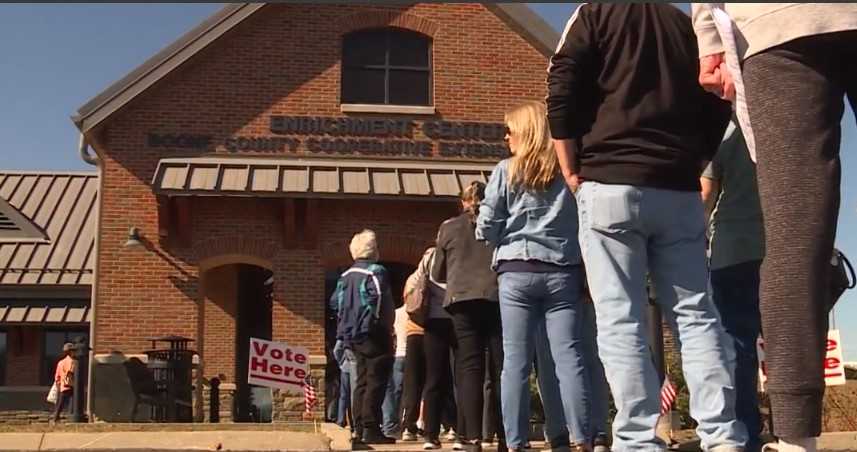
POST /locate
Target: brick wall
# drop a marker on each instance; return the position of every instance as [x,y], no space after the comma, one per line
[23,356]
[219,326]
[285,59]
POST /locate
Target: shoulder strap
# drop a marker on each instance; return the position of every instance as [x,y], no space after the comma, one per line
[364,295]
[340,294]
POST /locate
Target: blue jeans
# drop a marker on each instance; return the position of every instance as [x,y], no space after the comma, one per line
[626,231]
[393,397]
[735,290]
[555,429]
[347,385]
[552,299]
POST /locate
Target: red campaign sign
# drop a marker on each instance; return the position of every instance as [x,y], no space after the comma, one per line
[834,368]
[277,365]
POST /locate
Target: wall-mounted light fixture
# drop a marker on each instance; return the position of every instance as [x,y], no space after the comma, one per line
[134,239]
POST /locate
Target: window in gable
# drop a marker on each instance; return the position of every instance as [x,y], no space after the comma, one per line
[386,66]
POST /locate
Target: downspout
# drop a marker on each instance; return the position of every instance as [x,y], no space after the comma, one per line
[89,156]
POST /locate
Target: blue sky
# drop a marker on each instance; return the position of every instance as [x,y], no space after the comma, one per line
[54,57]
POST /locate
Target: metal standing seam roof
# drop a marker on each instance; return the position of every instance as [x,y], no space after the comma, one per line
[316,177]
[38,312]
[62,206]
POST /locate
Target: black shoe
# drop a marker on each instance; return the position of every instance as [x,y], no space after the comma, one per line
[376,437]
[476,446]
[559,443]
[600,444]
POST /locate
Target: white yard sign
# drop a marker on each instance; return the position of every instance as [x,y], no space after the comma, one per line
[834,368]
[277,365]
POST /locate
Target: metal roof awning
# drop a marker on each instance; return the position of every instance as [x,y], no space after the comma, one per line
[38,312]
[332,178]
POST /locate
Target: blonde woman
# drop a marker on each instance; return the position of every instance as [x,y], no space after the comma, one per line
[530,217]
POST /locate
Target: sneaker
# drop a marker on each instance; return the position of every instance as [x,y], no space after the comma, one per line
[527,445]
[451,435]
[408,436]
[600,444]
[474,446]
[738,449]
[457,446]
[487,443]
[431,445]
[808,444]
[376,437]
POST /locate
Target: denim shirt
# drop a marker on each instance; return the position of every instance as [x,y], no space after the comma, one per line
[528,225]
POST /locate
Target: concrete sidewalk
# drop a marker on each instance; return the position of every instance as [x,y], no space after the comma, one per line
[173,441]
[328,437]
[829,442]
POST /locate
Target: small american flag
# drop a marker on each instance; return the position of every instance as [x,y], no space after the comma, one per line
[310,398]
[668,394]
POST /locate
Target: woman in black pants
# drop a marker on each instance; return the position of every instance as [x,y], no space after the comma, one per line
[471,297]
[412,388]
[438,341]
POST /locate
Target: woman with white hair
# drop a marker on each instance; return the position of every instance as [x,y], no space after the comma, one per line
[365,311]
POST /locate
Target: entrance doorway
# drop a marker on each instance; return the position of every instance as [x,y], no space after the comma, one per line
[254,302]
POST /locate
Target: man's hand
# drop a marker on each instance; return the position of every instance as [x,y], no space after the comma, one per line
[567,163]
[715,77]
[710,76]
[728,84]
[573,181]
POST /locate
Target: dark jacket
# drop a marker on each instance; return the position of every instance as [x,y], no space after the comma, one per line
[364,303]
[463,263]
[623,85]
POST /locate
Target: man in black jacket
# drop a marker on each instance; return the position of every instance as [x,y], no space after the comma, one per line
[632,129]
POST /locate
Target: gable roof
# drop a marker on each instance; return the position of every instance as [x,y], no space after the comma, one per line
[61,206]
[518,16]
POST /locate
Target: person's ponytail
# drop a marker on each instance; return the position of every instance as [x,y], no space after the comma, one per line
[471,196]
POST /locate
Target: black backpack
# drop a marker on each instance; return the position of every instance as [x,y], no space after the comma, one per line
[841,278]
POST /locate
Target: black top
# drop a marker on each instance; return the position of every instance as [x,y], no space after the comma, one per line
[463,263]
[624,86]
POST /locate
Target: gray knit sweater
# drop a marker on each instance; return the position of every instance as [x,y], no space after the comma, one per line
[761,26]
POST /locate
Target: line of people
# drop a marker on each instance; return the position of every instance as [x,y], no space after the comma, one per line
[601,194]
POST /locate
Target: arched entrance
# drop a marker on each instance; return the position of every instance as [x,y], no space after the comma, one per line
[241,300]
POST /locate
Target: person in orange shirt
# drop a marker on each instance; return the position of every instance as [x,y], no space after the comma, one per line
[63,378]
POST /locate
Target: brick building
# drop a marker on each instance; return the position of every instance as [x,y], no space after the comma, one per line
[47,241]
[246,154]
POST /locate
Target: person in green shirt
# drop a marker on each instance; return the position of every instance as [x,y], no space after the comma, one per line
[736,249]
